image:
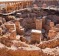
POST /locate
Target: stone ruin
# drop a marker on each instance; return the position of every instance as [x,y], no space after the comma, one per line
[30,35]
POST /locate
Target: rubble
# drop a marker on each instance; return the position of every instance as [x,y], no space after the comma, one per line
[50,43]
[51,34]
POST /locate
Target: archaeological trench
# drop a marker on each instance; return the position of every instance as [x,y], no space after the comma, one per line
[29,32]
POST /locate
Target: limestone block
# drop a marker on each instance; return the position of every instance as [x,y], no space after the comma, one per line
[38,24]
[17,23]
[43,21]
[36,35]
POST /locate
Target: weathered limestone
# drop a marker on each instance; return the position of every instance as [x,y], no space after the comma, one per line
[0,31]
[12,30]
[27,51]
[8,18]
[19,28]
[17,23]
[43,21]
[57,25]
[36,36]
[20,31]
[50,43]
[51,51]
[51,24]
[51,34]
[38,24]
[19,43]
[6,41]
[2,20]
[15,5]
[21,51]
[9,26]
[23,39]
[55,29]
[12,35]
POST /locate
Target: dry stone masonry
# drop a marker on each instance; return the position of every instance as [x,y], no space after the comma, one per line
[29,32]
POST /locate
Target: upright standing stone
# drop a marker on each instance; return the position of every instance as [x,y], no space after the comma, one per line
[36,36]
[38,24]
[43,21]
[19,28]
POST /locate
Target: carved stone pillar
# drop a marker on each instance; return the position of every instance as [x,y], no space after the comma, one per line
[38,24]
[36,36]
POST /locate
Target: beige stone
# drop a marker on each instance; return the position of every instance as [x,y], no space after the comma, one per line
[17,23]
[50,43]
[36,35]
[51,34]
[51,24]
[20,31]
[9,26]
[57,25]
[43,22]
[0,31]
[19,28]
[12,35]
[38,24]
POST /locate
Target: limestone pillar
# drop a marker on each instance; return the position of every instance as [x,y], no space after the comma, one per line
[36,36]
[38,24]
[43,21]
